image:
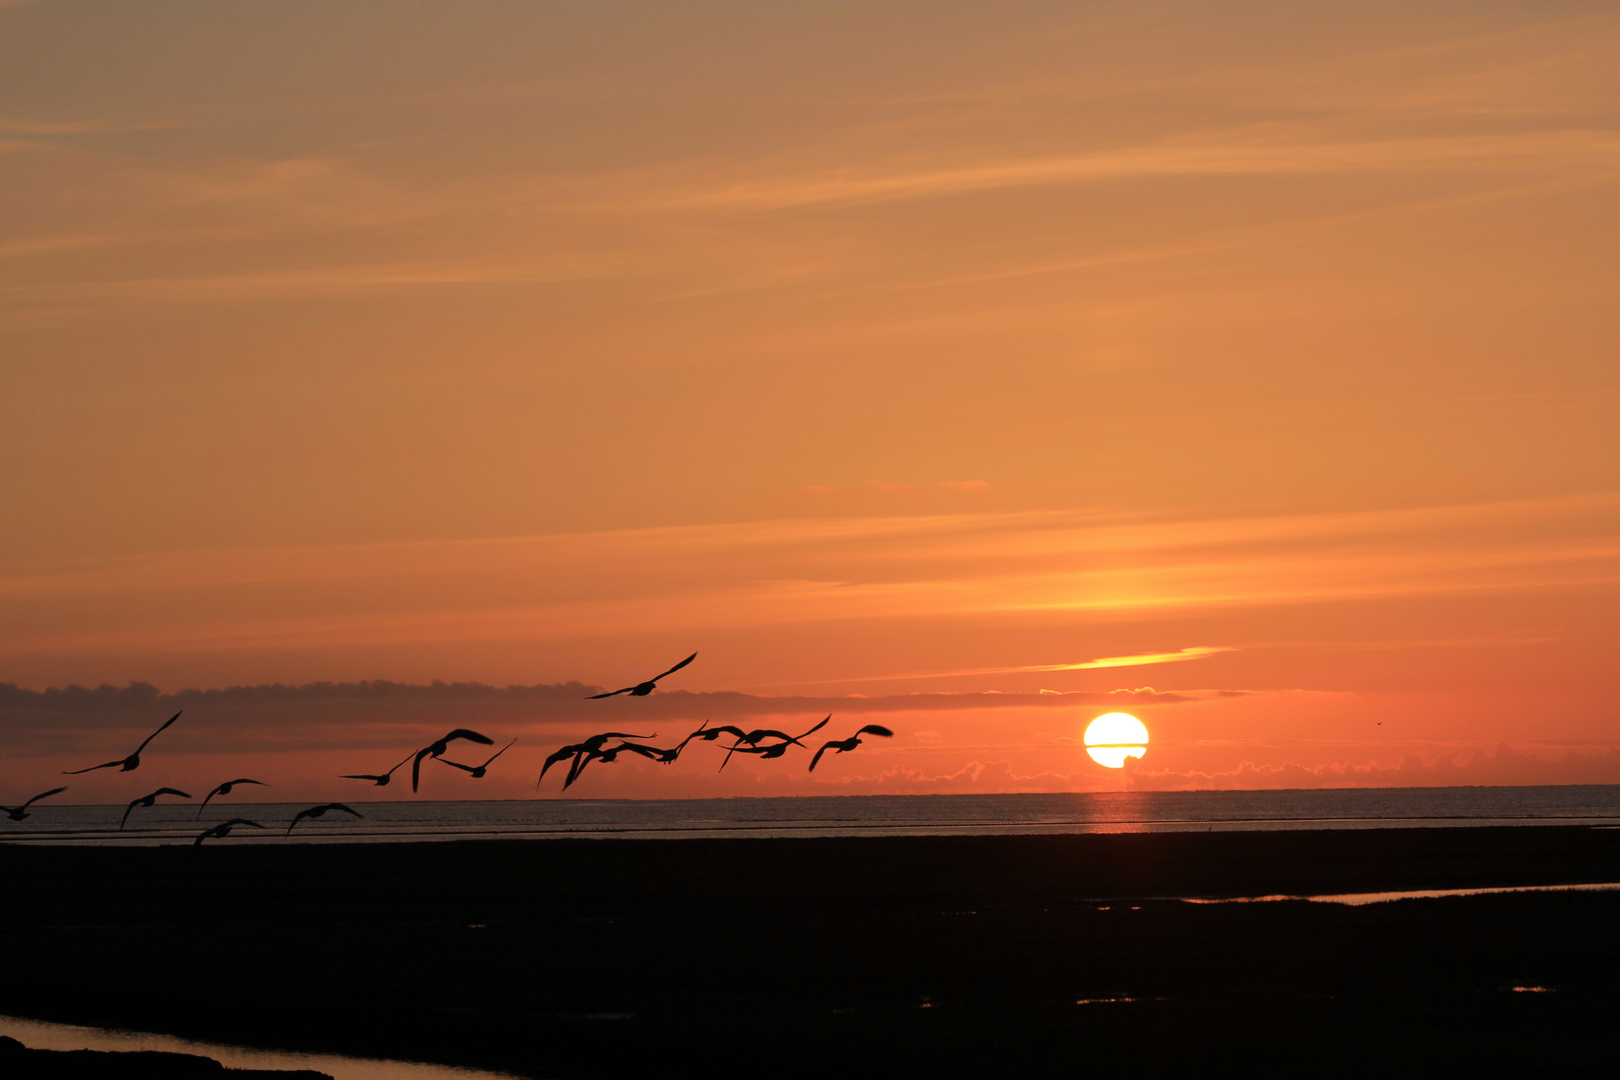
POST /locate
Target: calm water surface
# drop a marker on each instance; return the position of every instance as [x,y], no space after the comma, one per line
[859,815]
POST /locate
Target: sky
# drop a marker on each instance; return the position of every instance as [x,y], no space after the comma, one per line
[975,369]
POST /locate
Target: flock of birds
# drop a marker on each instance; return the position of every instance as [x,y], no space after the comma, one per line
[768,744]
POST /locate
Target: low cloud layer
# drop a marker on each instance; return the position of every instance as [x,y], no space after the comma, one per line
[330,715]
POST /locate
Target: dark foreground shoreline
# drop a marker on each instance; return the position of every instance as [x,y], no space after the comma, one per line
[945,956]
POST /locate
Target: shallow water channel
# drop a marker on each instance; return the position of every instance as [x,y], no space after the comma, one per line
[41,1035]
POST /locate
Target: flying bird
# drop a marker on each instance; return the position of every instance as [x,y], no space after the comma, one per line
[435,749]
[653,753]
[710,734]
[319,811]
[148,800]
[225,789]
[844,746]
[476,771]
[131,763]
[18,813]
[223,829]
[645,688]
[579,749]
[382,780]
[759,735]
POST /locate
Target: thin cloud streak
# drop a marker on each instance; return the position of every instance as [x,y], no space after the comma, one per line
[1524,152]
[793,571]
[1194,652]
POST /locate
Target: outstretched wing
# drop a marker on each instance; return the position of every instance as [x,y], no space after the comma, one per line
[876,729]
[93,768]
[674,669]
[340,806]
[245,780]
[43,795]
[825,747]
[727,729]
[170,791]
[470,735]
[611,693]
[499,752]
[561,755]
[813,730]
[365,776]
[416,767]
[128,811]
[581,759]
[644,751]
[158,732]
[456,765]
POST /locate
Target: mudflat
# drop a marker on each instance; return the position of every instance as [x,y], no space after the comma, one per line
[946,956]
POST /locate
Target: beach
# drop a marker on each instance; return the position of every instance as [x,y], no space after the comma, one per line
[1007,955]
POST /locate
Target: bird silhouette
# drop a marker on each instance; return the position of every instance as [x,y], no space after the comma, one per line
[759,735]
[225,789]
[590,754]
[19,813]
[653,753]
[476,771]
[580,749]
[148,800]
[435,749]
[645,688]
[844,746]
[378,780]
[131,763]
[319,811]
[223,829]
[710,734]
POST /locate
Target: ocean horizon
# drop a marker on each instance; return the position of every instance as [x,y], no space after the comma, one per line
[837,815]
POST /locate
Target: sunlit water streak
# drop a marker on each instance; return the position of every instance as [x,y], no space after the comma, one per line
[1361,899]
[41,1035]
[858,815]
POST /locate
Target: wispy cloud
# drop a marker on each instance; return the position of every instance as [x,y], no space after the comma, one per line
[1193,652]
[1250,152]
[793,571]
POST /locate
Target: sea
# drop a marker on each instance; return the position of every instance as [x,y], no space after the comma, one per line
[827,816]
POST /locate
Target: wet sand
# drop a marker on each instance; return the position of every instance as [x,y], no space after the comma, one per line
[955,956]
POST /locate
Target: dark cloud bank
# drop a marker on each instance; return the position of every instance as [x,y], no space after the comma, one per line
[364,713]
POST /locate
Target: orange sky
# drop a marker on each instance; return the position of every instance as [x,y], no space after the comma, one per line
[879,350]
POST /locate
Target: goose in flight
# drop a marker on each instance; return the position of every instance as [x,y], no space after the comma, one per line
[436,749]
[131,763]
[225,789]
[19,813]
[380,780]
[590,754]
[579,749]
[476,771]
[148,800]
[223,829]
[653,753]
[844,746]
[758,735]
[710,734]
[645,688]
[319,811]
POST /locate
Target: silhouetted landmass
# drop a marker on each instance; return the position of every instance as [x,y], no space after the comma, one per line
[941,956]
[18,1062]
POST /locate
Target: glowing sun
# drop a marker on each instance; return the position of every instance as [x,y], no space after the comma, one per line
[1115,736]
